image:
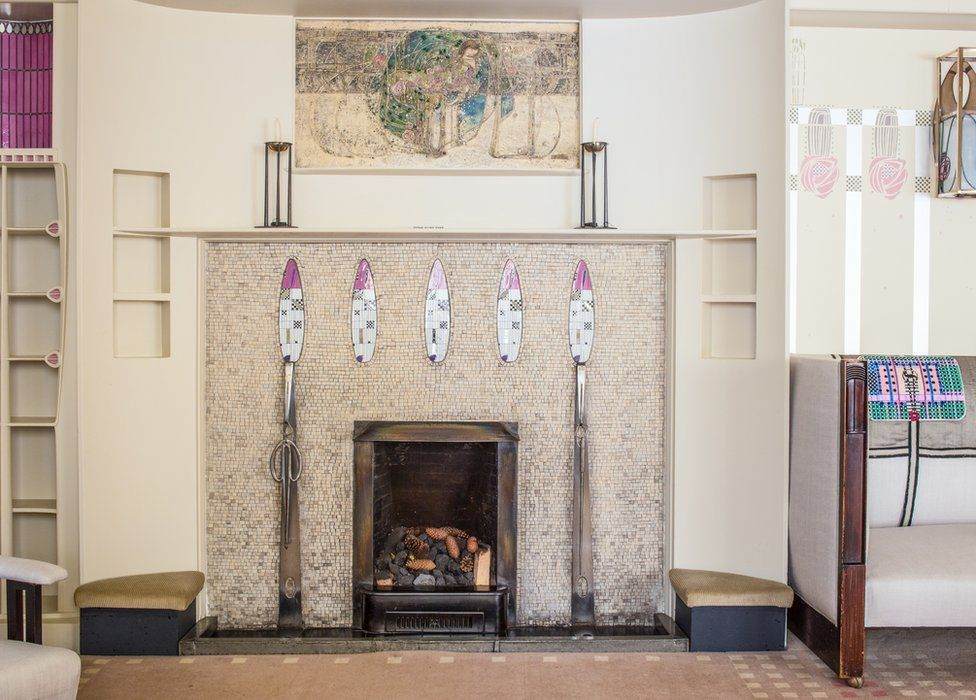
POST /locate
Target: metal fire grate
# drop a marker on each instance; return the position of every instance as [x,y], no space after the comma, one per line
[407,622]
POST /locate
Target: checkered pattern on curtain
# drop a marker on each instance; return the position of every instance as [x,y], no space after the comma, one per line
[26,61]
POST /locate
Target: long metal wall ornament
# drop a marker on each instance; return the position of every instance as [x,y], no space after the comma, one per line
[437,314]
[363,321]
[582,320]
[286,459]
[509,316]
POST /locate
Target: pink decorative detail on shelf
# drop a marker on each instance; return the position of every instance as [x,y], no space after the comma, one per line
[54,294]
[53,359]
[53,229]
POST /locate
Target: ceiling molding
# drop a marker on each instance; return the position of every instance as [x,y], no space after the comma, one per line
[883,20]
[460,9]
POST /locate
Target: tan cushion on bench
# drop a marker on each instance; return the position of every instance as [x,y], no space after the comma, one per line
[714,588]
[174,590]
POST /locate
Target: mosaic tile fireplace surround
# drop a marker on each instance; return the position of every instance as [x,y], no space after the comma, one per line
[626,406]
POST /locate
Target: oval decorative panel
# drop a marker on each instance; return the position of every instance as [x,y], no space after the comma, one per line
[363,322]
[291,313]
[437,314]
[509,316]
[582,315]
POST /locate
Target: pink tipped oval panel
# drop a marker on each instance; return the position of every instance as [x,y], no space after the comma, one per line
[291,313]
[437,314]
[582,315]
[509,313]
[363,319]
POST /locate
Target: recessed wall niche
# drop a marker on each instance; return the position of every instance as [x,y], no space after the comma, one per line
[33,467]
[32,197]
[728,272]
[141,264]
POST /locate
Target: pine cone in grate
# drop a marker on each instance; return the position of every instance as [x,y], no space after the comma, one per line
[472,544]
[416,545]
[467,563]
[436,533]
[421,565]
[456,533]
[452,547]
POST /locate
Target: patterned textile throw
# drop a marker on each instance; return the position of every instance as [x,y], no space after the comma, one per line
[903,387]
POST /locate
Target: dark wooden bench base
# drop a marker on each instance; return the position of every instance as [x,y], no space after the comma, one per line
[134,632]
[733,627]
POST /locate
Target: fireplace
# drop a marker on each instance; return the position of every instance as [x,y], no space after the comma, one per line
[434,527]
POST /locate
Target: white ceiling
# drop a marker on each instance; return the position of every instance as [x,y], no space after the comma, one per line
[468,9]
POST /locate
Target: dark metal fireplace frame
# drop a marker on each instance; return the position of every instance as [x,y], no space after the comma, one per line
[365,436]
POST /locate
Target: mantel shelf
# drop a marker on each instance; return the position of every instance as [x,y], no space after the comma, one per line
[435,234]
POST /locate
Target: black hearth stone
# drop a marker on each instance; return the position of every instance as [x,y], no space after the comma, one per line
[430,610]
[207,639]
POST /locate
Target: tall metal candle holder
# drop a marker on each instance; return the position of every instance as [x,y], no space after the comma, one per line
[597,152]
[277,168]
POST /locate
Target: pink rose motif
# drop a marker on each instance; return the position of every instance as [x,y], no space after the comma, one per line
[818,174]
[379,60]
[398,88]
[887,175]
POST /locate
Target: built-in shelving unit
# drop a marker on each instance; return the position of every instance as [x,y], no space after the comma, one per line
[141,269]
[33,265]
[728,276]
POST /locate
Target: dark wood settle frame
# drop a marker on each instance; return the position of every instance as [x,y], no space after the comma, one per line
[841,646]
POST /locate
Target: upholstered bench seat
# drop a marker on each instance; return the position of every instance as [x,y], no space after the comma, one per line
[730,612]
[921,576]
[173,590]
[145,614]
[29,671]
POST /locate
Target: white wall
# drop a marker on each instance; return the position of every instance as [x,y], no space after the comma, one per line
[192,94]
[847,67]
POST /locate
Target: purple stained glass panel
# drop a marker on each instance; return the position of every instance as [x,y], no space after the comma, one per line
[26,66]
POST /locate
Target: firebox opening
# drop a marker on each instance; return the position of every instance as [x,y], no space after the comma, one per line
[450,485]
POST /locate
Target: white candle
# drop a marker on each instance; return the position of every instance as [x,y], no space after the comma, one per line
[596,121]
[277,129]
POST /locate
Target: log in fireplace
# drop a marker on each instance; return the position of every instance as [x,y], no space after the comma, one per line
[430,500]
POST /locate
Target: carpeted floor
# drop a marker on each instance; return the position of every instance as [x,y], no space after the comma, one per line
[927,667]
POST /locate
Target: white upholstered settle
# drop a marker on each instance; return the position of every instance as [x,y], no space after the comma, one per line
[814,481]
[946,491]
[31,571]
[34,672]
[921,576]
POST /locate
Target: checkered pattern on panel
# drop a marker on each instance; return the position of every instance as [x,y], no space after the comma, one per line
[291,323]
